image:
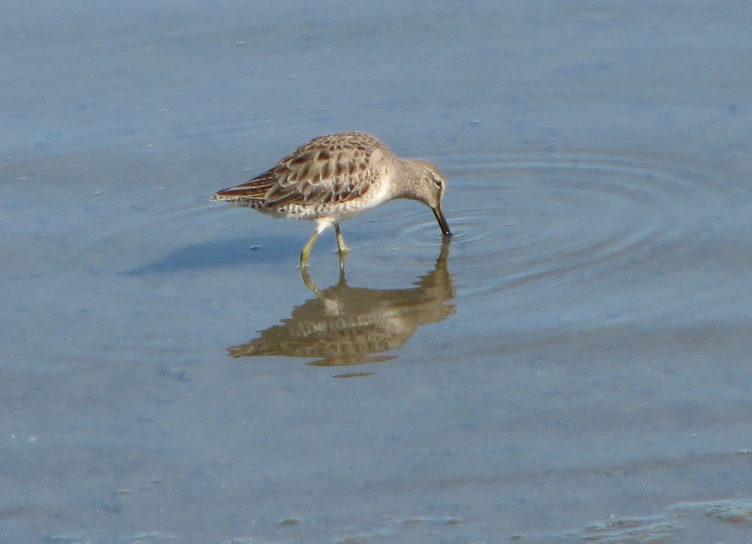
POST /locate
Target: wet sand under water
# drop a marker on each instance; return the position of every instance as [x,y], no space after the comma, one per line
[573,366]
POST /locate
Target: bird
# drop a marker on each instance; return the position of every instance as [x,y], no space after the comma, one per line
[337,176]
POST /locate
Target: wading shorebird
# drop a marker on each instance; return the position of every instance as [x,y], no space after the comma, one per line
[334,177]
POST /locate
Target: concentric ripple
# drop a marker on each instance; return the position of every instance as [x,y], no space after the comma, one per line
[540,240]
[568,225]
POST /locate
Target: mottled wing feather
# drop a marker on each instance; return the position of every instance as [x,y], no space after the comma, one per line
[323,171]
[254,189]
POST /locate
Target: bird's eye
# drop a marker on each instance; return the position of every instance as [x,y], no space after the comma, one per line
[438,182]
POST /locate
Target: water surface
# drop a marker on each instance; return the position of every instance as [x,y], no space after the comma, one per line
[572,367]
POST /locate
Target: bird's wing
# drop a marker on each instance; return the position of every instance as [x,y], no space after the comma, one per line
[323,171]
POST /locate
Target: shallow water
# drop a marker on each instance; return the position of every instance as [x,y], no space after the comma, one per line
[572,367]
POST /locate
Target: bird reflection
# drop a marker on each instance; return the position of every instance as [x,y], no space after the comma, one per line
[345,325]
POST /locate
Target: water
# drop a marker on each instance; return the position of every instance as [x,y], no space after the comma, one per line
[572,366]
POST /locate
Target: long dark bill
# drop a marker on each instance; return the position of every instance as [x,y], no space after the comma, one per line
[442,221]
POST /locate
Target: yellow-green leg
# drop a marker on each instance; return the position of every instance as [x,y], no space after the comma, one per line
[307,250]
[343,250]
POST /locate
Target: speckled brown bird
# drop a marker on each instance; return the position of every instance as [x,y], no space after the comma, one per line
[334,177]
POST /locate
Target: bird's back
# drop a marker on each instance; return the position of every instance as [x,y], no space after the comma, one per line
[324,175]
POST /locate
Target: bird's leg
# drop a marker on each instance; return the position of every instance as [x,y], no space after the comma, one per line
[307,249]
[342,281]
[343,250]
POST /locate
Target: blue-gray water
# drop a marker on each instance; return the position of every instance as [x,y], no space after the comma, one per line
[574,366]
